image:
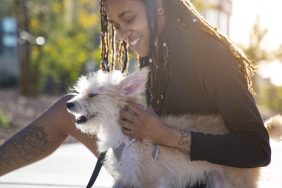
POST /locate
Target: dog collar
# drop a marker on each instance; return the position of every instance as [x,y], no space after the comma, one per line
[119,150]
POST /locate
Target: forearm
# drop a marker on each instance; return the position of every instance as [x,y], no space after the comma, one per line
[220,149]
[237,150]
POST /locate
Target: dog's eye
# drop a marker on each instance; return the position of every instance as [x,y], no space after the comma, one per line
[92,95]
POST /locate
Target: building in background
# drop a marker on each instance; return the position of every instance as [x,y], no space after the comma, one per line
[9,66]
[218,14]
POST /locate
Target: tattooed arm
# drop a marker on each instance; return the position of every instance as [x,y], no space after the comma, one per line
[184,142]
[178,139]
[41,137]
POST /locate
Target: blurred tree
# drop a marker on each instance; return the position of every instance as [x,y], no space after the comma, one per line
[24,48]
[278,53]
[6,8]
[59,38]
[268,95]
[255,49]
[200,4]
[73,41]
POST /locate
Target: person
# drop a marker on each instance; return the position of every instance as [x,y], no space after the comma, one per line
[194,70]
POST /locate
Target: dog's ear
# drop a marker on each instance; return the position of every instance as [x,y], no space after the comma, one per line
[135,83]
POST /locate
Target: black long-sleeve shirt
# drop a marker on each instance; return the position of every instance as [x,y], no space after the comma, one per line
[204,79]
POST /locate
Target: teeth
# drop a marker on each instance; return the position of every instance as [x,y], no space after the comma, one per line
[132,43]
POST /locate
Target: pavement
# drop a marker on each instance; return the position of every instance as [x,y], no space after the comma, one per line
[72,164]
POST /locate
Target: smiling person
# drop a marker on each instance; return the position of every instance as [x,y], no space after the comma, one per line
[194,70]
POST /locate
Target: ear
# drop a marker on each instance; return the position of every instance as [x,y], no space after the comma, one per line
[135,83]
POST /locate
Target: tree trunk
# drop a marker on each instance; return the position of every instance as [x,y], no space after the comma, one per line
[24,47]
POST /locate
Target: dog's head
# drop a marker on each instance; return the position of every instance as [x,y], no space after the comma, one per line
[100,96]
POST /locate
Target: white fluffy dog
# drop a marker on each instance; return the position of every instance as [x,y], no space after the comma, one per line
[96,106]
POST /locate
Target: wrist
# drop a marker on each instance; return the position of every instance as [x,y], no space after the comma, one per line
[180,140]
[173,137]
[184,142]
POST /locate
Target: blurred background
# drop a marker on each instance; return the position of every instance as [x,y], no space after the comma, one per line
[46,44]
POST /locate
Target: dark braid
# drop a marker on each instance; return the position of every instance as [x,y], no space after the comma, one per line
[158,61]
[123,56]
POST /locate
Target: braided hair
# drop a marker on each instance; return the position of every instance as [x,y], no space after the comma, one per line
[109,47]
[159,50]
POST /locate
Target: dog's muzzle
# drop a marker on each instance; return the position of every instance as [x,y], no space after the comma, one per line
[81,119]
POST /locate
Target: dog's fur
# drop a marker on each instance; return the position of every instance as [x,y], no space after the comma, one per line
[96,106]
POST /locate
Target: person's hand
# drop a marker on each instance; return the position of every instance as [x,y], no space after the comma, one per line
[141,123]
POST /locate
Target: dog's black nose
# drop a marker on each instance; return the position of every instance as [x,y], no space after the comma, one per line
[70,105]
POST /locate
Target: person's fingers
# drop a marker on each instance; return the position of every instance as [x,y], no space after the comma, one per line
[136,108]
[127,115]
[125,124]
[126,131]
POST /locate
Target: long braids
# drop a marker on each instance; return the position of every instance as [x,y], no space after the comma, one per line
[109,61]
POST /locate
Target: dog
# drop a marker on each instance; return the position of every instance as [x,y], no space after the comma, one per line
[140,164]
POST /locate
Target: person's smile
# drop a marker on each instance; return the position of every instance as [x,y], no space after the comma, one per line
[130,21]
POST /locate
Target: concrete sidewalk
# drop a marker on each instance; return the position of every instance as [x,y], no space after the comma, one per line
[70,166]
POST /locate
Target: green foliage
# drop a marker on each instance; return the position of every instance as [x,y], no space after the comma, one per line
[6,8]
[202,5]
[4,122]
[70,29]
[267,94]
[270,96]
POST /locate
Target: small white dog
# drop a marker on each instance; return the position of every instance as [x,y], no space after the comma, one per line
[96,106]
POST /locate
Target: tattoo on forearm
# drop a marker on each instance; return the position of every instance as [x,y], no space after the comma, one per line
[184,143]
[23,148]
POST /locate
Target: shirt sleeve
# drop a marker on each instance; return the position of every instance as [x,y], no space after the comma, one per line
[247,144]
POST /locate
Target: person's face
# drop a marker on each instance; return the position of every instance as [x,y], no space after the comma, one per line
[130,20]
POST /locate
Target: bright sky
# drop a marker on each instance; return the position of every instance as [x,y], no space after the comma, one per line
[242,20]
